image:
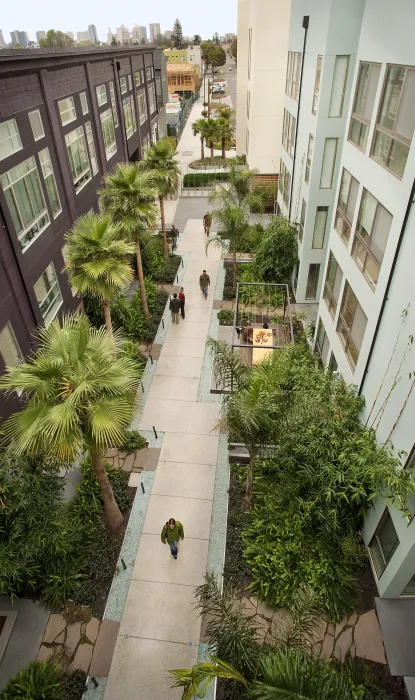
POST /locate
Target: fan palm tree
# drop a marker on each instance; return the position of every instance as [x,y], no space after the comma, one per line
[79,396]
[129,196]
[211,134]
[197,680]
[232,223]
[98,260]
[226,132]
[165,170]
[198,130]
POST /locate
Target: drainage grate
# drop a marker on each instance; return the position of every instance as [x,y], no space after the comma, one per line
[187,153]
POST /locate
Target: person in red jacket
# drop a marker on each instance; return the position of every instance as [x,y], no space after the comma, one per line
[182,300]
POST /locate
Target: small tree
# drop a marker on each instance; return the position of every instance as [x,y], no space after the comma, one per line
[226,133]
[234,48]
[55,39]
[197,39]
[198,130]
[210,131]
[277,254]
[232,224]
[177,34]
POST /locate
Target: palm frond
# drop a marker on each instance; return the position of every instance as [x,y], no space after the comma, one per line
[198,679]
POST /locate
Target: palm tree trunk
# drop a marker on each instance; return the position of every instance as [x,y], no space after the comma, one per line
[212,155]
[202,147]
[223,148]
[107,315]
[112,514]
[163,227]
[140,274]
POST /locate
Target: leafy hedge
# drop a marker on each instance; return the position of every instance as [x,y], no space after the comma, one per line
[43,681]
[203,179]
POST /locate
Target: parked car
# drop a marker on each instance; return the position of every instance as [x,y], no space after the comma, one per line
[218,91]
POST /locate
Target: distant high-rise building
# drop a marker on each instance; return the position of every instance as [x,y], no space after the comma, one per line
[110,35]
[154,32]
[2,42]
[93,35]
[71,35]
[136,34]
[168,34]
[123,35]
[40,35]
[144,32]
[82,36]
[20,38]
[229,36]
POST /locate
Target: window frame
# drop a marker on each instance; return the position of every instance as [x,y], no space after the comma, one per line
[71,110]
[113,103]
[104,117]
[343,214]
[54,285]
[285,179]
[289,126]
[43,166]
[84,103]
[152,99]
[15,344]
[78,179]
[385,515]
[123,84]
[293,74]
[42,136]
[11,137]
[348,329]
[317,81]
[319,209]
[318,266]
[302,220]
[128,107]
[359,117]
[359,239]
[101,93]
[322,347]
[309,158]
[330,138]
[89,135]
[346,73]
[143,114]
[328,289]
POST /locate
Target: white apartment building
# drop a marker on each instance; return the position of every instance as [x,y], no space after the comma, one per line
[194,54]
[263,27]
[154,32]
[122,34]
[136,34]
[2,42]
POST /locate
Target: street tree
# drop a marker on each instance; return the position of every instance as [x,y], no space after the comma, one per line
[197,39]
[198,130]
[55,38]
[177,34]
[234,48]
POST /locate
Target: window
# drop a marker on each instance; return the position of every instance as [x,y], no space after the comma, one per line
[309,158]
[383,544]
[292,83]
[48,294]
[25,200]
[302,220]
[101,95]
[148,73]
[333,363]
[36,124]
[67,110]
[371,237]
[312,281]
[142,107]
[91,147]
[130,125]
[320,226]
[78,158]
[108,133]
[409,588]
[123,85]
[50,182]
[249,52]
[9,139]
[317,79]
[334,276]
[284,182]
[364,100]
[9,349]
[338,87]
[130,82]
[288,132]
[152,98]
[351,325]
[84,102]
[113,104]
[346,205]
[396,120]
[152,72]
[137,78]
[327,168]
[322,342]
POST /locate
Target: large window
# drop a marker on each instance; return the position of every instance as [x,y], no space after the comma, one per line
[396,120]
[152,98]
[67,110]
[84,102]
[329,160]
[288,132]
[351,325]
[148,73]
[130,82]
[284,182]
[48,294]
[113,104]
[101,95]
[309,157]
[78,158]
[108,133]
[383,544]
[50,182]
[36,124]
[346,204]
[129,116]
[322,342]
[364,100]
[302,220]
[332,285]
[91,147]
[312,281]
[317,79]
[292,83]
[142,106]
[371,237]
[25,200]
[10,141]
[9,349]
[338,87]
[123,85]
[137,78]
[320,227]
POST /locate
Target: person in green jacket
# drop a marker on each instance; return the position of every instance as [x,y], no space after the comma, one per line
[171,533]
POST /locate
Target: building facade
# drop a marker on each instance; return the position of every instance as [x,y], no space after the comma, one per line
[144,32]
[263,27]
[66,118]
[93,35]
[2,42]
[20,37]
[123,35]
[182,78]
[154,32]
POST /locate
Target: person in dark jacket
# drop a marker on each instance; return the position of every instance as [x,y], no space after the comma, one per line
[182,299]
[204,282]
[171,533]
[175,308]
[207,222]
[174,234]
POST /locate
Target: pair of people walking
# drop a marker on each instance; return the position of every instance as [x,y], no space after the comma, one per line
[177,305]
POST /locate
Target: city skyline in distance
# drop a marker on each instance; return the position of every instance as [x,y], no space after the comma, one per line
[222,17]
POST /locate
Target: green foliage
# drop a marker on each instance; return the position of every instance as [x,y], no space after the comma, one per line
[229,289]
[177,34]
[152,255]
[38,681]
[88,494]
[277,252]
[251,238]
[236,565]
[168,272]
[73,684]
[234,48]
[55,39]
[225,317]
[203,179]
[133,441]
[130,349]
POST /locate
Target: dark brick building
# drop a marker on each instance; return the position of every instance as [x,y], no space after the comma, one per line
[67,116]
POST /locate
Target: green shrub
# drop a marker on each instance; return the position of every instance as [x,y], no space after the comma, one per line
[277,252]
[133,441]
[251,239]
[167,274]
[73,684]
[225,317]
[103,555]
[88,495]
[152,255]
[130,349]
[119,482]
[38,681]
[204,179]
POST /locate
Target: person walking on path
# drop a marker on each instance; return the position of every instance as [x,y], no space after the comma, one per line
[204,282]
[175,308]
[182,299]
[171,533]
[174,234]
[207,222]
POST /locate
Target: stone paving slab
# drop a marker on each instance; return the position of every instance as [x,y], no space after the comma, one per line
[161,611]
[179,416]
[155,563]
[182,447]
[188,330]
[198,315]
[152,459]
[184,479]
[192,512]
[184,347]
[104,648]
[167,387]
[179,366]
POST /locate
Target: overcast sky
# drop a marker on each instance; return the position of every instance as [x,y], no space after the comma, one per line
[75,15]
